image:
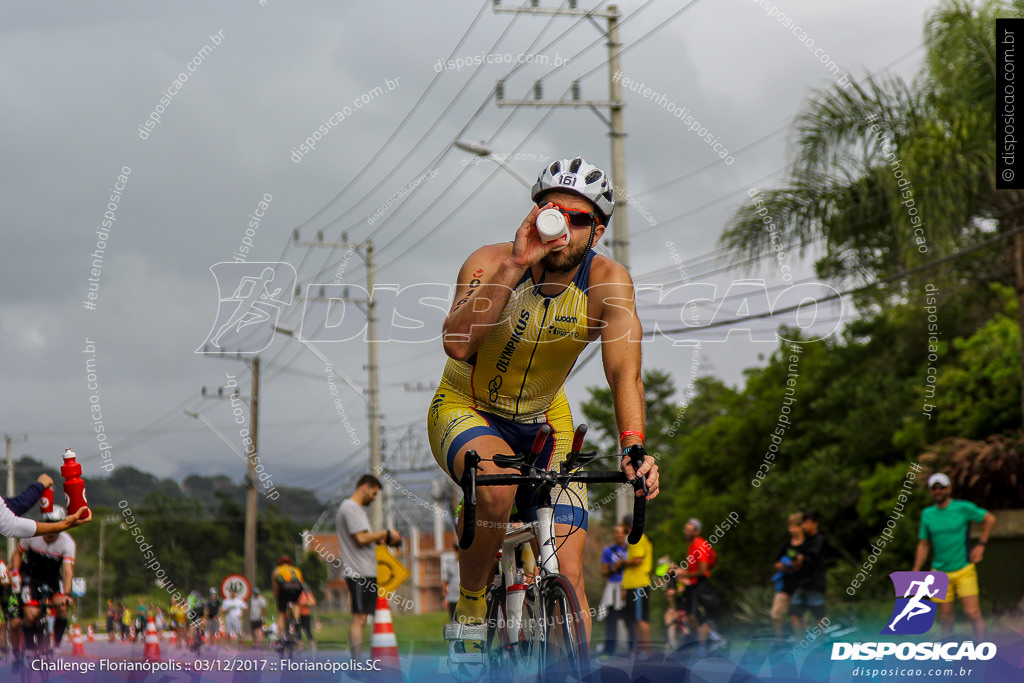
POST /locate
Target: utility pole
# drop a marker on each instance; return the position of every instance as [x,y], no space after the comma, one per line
[99,587]
[9,442]
[616,131]
[251,457]
[614,103]
[365,249]
[373,390]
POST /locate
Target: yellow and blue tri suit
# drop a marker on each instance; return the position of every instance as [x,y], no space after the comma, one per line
[513,384]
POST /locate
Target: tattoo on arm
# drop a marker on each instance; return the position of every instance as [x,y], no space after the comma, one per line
[473,284]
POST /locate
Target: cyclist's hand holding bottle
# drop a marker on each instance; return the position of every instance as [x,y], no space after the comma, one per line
[527,247]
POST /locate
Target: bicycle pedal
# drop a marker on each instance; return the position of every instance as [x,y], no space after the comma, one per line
[466,648]
[474,655]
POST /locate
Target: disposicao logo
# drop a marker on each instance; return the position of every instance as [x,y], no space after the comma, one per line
[915,608]
[914,614]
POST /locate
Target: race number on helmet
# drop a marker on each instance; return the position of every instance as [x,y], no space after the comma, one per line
[578,177]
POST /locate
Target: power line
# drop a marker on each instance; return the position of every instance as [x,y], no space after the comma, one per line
[639,41]
[515,110]
[766,137]
[401,125]
[491,177]
[871,285]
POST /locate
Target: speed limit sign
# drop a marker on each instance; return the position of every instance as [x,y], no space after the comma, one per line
[235,583]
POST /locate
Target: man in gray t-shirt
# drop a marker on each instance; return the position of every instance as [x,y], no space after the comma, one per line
[359,556]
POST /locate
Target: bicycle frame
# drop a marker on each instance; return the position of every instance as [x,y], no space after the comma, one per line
[549,578]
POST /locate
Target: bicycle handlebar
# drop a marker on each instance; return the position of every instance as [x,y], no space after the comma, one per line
[639,502]
[529,474]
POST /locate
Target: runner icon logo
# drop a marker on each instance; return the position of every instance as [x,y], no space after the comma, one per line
[251,297]
[916,592]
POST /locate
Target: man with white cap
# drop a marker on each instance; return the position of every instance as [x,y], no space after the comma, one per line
[944,526]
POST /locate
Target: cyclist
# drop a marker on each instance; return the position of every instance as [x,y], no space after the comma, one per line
[195,609]
[287,582]
[48,561]
[523,312]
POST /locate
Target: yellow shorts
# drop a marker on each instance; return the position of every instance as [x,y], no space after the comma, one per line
[963,583]
[454,419]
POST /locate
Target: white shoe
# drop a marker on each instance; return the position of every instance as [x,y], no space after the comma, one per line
[466,660]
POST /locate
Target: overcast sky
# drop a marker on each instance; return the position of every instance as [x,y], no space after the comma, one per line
[79,81]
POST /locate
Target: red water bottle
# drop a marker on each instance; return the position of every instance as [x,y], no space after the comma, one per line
[74,487]
[46,501]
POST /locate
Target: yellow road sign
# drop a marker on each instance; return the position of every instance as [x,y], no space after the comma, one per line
[390,572]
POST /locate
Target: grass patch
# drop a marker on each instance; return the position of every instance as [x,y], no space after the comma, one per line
[419,633]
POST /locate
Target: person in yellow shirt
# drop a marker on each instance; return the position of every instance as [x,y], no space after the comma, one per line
[636,583]
[126,622]
[177,622]
[287,582]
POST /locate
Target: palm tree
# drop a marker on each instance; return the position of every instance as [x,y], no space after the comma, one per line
[888,174]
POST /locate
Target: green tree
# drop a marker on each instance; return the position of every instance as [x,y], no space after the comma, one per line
[661,411]
[889,174]
[314,571]
[980,394]
[599,415]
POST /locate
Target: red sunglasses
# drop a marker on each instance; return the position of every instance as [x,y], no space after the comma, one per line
[579,219]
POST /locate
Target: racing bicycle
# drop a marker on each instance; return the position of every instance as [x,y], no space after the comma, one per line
[536,629]
[194,629]
[285,646]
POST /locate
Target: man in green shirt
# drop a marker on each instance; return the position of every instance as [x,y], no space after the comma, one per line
[944,527]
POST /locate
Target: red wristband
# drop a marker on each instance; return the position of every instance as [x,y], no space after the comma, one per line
[630,432]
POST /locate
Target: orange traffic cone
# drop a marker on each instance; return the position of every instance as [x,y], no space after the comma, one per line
[174,637]
[90,636]
[383,643]
[76,643]
[152,650]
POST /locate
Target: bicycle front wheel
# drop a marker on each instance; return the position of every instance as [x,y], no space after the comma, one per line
[565,648]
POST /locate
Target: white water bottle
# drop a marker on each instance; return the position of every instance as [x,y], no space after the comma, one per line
[551,226]
[515,595]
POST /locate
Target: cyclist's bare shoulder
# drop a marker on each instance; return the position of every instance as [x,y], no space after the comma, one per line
[605,271]
[610,292]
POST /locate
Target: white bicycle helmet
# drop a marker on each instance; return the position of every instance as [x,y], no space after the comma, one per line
[578,177]
[57,514]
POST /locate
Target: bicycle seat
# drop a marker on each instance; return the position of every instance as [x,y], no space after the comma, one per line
[510,461]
